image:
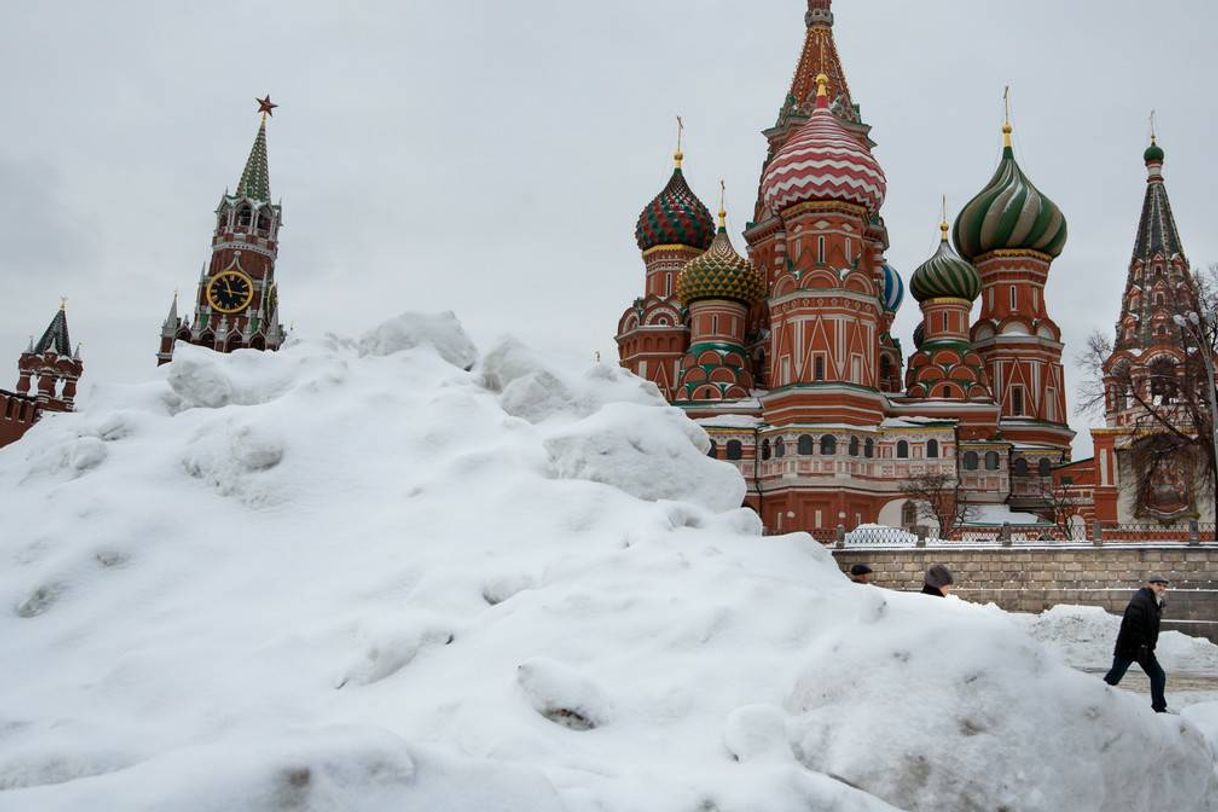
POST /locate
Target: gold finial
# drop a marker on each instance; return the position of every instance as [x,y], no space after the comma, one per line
[1006,116]
[943,221]
[63,302]
[1152,128]
[679,156]
[822,85]
[722,204]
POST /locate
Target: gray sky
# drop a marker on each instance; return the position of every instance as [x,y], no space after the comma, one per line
[491,158]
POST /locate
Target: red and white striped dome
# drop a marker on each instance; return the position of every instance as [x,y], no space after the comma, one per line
[823,161]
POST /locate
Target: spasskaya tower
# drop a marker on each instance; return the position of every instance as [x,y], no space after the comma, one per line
[237,304]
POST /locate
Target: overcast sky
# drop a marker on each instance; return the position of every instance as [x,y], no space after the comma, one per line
[491,157]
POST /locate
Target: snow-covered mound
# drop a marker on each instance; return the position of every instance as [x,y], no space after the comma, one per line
[1084,635]
[356,575]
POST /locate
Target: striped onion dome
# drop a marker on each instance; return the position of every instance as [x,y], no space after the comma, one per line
[945,274]
[823,161]
[720,273]
[894,289]
[919,335]
[1009,214]
[675,217]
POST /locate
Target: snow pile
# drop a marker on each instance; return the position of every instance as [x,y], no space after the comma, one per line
[356,575]
[1085,636]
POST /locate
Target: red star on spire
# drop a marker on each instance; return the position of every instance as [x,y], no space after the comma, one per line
[265,106]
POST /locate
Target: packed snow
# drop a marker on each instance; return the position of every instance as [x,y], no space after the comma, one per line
[395,572]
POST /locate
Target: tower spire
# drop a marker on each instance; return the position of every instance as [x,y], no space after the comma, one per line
[56,336]
[819,56]
[255,180]
[1157,233]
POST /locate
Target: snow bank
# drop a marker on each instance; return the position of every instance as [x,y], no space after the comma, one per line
[357,575]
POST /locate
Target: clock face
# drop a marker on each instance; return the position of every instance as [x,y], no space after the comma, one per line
[230,292]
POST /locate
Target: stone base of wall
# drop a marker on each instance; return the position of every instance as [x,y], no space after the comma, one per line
[1037,578]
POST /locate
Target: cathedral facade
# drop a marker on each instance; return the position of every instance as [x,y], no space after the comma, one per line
[787,357]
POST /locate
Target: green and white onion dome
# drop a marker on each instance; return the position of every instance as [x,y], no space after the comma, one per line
[945,274]
[1009,214]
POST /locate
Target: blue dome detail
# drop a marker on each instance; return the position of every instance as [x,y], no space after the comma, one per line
[894,289]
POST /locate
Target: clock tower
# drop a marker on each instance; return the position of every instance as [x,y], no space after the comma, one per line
[237,305]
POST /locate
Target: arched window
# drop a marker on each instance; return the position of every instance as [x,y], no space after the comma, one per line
[932,448]
[1163,379]
[765,449]
[1021,467]
[244,217]
[1044,467]
[264,222]
[735,450]
[222,221]
[970,460]
[854,446]
[869,448]
[903,450]
[714,450]
[805,445]
[828,444]
[780,448]
[991,460]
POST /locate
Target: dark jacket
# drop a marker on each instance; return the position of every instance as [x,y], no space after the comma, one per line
[1140,626]
[927,589]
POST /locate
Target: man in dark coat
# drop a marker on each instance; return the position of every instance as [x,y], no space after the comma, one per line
[937,581]
[1137,639]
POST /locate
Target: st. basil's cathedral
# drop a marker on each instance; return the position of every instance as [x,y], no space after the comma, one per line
[787,357]
[788,360]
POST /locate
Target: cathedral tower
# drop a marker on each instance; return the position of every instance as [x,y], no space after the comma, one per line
[1011,233]
[237,304]
[1143,468]
[825,269]
[719,288]
[674,228]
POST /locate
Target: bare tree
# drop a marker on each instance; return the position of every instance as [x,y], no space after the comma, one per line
[937,496]
[1167,397]
[1060,505]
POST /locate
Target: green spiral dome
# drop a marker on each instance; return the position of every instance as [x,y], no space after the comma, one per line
[945,274]
[1011,214]
[720,273]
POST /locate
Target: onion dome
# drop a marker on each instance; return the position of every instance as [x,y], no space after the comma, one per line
[720,273]
[919,335]
[1009,214]
[1153,153]
[945,274]
[823,161]
[676,216]
[894,289]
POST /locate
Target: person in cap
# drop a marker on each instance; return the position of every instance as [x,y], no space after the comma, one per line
[860,574]
[1137,639]
[937,581]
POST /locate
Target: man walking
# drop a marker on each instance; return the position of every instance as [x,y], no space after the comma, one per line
[1137,638]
